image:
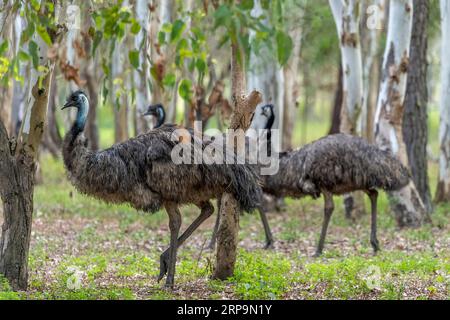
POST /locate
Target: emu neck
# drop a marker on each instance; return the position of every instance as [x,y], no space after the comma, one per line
[80,120]
[268,127]
[161,117]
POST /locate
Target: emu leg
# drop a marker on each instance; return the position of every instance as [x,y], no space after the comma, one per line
[267,231]
[373,195]
[212,242]
[328,211]
[206,211]
[174,226]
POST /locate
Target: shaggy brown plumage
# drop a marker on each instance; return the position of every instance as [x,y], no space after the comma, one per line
[140,172]
[335,165]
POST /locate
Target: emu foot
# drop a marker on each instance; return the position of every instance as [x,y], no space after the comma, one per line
[164,266]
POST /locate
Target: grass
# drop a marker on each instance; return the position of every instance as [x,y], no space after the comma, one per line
[85,249]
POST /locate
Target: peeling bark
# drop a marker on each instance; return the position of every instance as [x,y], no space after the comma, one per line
[406,204]
[415,119]
[346,16]
[244,108]
[443,186]
[17,174]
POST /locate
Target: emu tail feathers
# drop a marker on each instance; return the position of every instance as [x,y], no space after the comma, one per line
[391,174]
[246,186]
[240,180]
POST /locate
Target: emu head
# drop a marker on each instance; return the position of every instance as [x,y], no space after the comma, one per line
[156,110]
[77,99]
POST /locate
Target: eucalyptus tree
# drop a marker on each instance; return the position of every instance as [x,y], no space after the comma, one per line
[18,157]
[415,118]
[141,75]
[406,203]
[347,19]
[443,187]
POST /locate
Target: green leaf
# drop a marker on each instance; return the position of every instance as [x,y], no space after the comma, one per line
[135,27]
[222,16]
[97,38]
[284,47]
[42,31]
[134,58]
[265,4]
[169,80]
[185,89]
[27,33]
[161,37]
[247,4]
[200,64]
[33,48]
[3,47]
[177,30]
[23,56]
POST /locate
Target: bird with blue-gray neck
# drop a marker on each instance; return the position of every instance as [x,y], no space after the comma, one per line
[141,173]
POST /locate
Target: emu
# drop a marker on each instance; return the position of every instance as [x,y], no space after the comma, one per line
[333,165]
[157,111]
[140,172]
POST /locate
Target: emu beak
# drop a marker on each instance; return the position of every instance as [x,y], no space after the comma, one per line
[68,104]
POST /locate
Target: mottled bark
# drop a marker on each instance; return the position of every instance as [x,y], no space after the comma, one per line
[415,119]
[346,16]
[17,169]
[406,203]
[244,108]
[16,191]
[443,187]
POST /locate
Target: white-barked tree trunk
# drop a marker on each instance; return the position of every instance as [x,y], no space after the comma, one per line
[406,203]
[443,187]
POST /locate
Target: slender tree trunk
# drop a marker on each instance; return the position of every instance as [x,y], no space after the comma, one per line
[119,96]
[17,169]
[291,91]
[52,139]
[244,108]
[415,119]
[265,75]
[347,16]
[7,17]
[142,75]
[337,104]
[167,13]
[88,73]
[16,191]
[371,32]
[157,57]
[406,203]
[443,187]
